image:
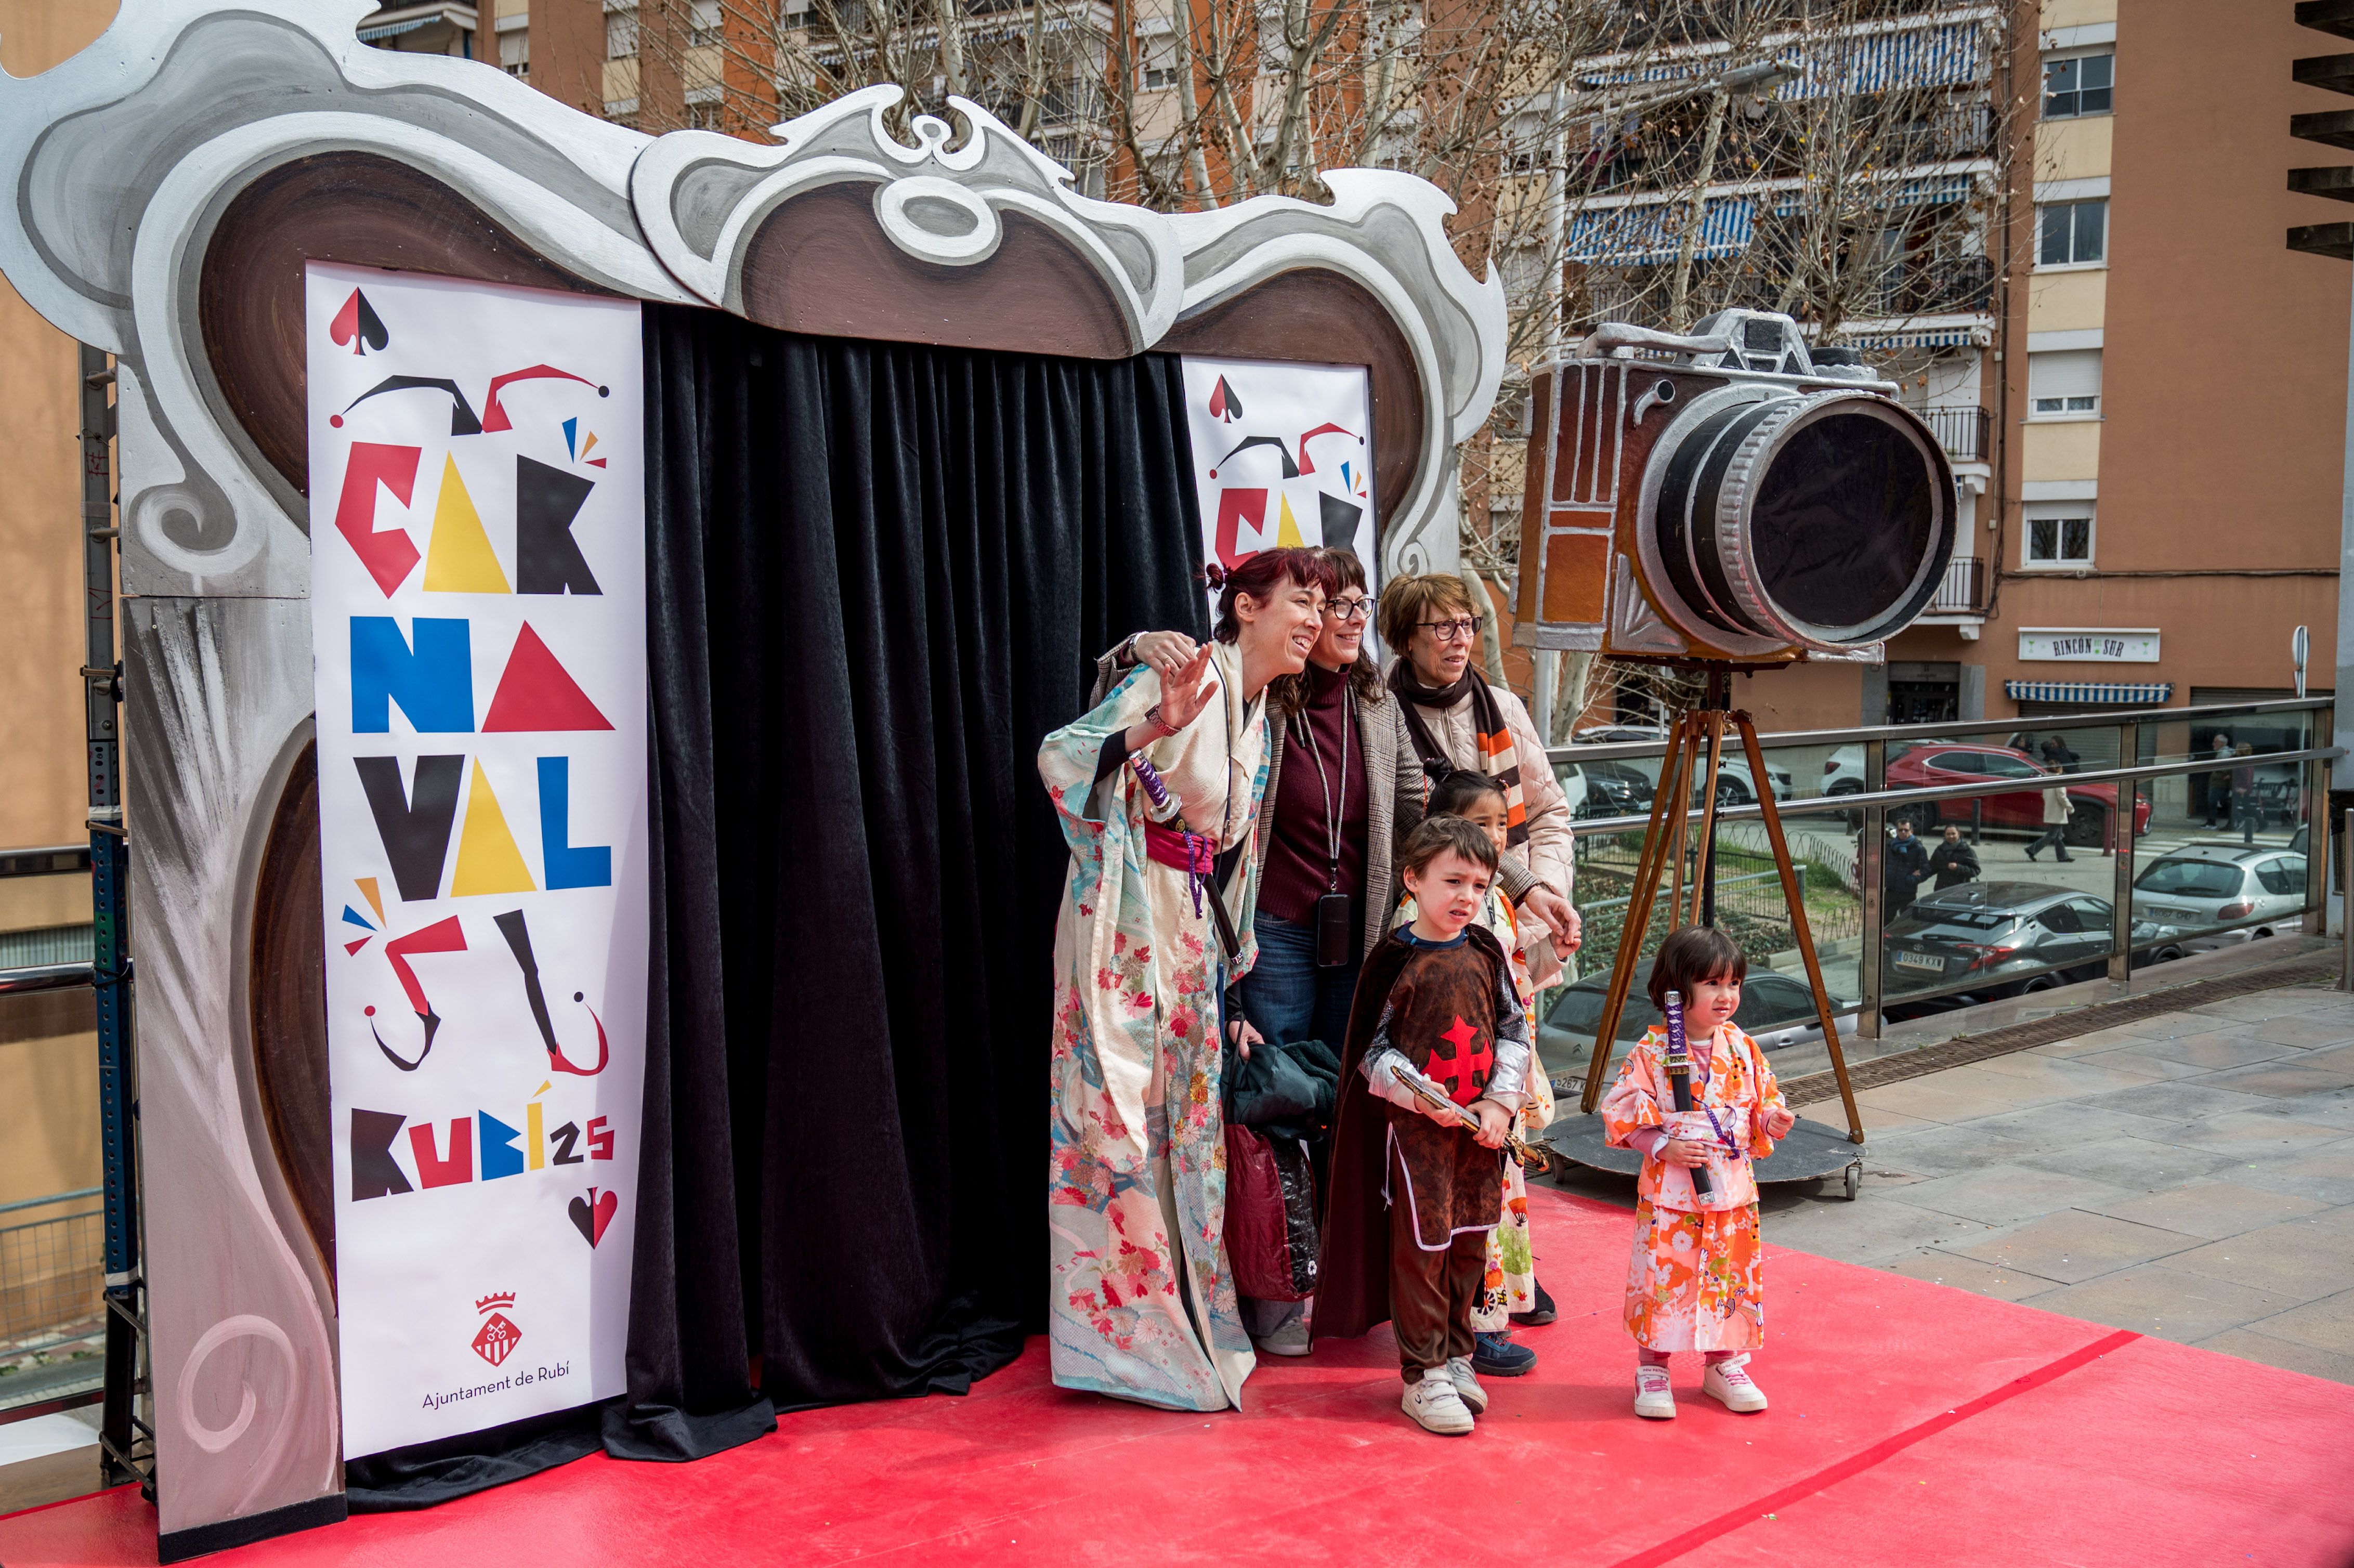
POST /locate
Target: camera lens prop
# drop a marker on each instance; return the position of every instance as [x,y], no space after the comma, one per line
[1824,520]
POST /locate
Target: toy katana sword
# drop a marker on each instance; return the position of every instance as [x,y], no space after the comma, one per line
[1519,1148]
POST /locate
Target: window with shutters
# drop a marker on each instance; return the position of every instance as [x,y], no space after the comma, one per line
[2065,384]
[2059,534]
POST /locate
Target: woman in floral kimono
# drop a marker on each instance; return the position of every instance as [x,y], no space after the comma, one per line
[1141,1303]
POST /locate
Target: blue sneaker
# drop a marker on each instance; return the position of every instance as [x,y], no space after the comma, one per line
[1495,1355]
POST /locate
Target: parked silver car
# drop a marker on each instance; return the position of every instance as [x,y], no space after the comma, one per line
[2002,938]
[2261,890]
[1776,1010]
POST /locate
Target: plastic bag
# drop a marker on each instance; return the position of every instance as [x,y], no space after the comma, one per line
[1270,1216]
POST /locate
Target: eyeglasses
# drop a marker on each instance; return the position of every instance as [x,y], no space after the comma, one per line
[1347,609]
[1453,631]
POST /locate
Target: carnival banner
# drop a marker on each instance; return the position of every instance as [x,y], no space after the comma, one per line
[478,618]
[1282,455]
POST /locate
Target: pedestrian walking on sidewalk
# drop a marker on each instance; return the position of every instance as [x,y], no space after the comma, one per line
[2056,813]
[2219,782]
[1695,1281]
[2245,813]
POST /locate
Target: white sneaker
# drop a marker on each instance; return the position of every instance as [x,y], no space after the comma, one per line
[1728,1380]
[1466,1384]
[1653,1396]
[1435,1406]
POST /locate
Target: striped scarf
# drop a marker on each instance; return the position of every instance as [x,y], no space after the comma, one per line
[1499,759]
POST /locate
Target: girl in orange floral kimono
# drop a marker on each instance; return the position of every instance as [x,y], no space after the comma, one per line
[1696,1279]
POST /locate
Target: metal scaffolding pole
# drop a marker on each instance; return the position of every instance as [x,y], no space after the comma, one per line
[127,1442]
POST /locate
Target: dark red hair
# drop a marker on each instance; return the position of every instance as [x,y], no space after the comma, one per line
[1262,575]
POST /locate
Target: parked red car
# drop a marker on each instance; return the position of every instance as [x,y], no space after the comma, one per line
[1962,762]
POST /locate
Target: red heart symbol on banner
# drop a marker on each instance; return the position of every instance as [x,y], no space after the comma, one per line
[591,1216]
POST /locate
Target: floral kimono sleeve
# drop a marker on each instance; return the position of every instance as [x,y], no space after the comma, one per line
[1068,758]
[1633,1101]
[1769,1099]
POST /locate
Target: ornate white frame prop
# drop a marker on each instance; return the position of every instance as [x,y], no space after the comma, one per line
[121,163]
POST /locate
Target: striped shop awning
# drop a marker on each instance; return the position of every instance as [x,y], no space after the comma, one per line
[394,29]
[1925,337]
[1951,54]
[1932,190]
[2092,696]
[1652,232]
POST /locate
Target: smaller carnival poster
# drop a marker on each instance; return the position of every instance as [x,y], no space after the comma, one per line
[1282,455]
[478,620]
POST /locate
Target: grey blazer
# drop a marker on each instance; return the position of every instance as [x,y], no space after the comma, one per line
[1395,790]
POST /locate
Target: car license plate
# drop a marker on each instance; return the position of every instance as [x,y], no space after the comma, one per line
[1921,961]
[2176,914]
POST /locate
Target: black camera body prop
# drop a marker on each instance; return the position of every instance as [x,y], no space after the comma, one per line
[1733,496]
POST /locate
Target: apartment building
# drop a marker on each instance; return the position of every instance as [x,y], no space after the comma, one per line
[2162,530]
[2173,529]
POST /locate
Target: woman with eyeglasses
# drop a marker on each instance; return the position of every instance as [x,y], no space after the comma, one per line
[1342,791]
[1456,721]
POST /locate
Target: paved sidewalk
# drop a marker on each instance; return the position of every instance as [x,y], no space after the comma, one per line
[2189,1176]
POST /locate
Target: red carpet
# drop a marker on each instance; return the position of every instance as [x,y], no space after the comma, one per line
[1912,1424]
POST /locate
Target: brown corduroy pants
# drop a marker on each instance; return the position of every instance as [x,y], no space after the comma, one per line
[1432,1293]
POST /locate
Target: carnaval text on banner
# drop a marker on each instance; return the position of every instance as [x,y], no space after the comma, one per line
[478,623]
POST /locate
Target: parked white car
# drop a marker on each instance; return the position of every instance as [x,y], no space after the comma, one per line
[1734,786]
[2260,890]
[1844,771]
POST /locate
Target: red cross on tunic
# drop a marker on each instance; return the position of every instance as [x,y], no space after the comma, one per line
[1463,1072]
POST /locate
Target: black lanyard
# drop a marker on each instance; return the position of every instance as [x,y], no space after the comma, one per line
[1336,926]
[1333,810]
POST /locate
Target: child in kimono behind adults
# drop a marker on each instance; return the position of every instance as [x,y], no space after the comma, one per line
[1696,1280]
[1436,1032]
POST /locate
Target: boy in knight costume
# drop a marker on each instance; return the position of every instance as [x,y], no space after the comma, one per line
[1435,1068]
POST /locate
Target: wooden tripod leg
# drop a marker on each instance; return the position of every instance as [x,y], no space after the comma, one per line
[1675,777]
[1708,811]
[1795,891]
[1650,866]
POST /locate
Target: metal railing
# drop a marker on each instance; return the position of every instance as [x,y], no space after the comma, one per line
[51,957]
[1967,434]
[52,1275]
[1857,801]
[1963,589]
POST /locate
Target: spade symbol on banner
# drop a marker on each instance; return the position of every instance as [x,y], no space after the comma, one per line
[591,1214]
[358,325]
[1224,404]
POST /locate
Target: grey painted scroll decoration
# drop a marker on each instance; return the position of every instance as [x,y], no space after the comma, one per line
[119,164]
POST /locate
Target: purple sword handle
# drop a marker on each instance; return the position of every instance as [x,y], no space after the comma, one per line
[1680,1081]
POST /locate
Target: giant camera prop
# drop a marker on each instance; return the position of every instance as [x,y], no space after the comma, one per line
[1728,501]
[1733,496]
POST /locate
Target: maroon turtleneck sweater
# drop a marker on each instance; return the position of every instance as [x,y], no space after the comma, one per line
[1300,855]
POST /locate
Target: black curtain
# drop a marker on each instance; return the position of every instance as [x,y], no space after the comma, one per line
[878,576]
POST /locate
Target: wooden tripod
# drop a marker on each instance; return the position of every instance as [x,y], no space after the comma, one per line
[1699,735]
